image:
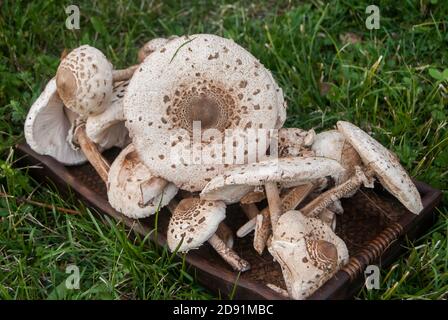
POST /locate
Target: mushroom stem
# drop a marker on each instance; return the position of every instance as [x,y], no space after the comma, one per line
[288,202]
[274,202]
[230,256]
[277,289]
[320,203]
[226,234]
[251,212]
[262,230]
[91,152]
[124,74]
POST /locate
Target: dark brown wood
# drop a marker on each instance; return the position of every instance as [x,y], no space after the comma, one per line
[374,226]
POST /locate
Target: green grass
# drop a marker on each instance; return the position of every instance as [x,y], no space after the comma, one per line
[401,100]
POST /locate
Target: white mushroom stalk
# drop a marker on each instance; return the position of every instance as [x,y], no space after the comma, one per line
[195,221]
[378,162]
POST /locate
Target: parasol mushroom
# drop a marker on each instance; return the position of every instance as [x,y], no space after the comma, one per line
[85,80]
[200,79]
[133,190]
[378,162]
[195,221]
[308,251]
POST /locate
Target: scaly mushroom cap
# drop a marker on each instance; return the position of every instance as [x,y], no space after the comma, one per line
[231,186]
[107,129]
[385,164]
[126,176]
[152,46]
[294,141]
[84,81]
[332,144]
[193,222]
[308,251]
[47,127]
[202,78]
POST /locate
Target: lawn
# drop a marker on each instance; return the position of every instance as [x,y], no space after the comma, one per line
[393,82]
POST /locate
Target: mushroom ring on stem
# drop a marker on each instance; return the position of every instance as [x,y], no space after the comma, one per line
[378,162]
[195,221]
[308,251]
[189,96]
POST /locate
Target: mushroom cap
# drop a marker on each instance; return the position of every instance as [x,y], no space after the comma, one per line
[193,222]
[308,251]
[385,164]
[292,141]
[84,81]
[231,186]
[332,144]
[202,78]
[152,46]
[107,129]
[47,127]
[126,175]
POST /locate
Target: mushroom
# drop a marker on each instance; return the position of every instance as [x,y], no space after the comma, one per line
[107,129]
[308,251]
[195,221]
[295,171]
[379,162]
[47,126]
[133,190]
[151,46]
[200,79]
[85,78]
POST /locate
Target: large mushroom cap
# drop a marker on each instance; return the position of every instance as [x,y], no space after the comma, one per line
[84,81]
[202,78]
[107,129]
[308,251]
[47,126]
[386,166]
[236,182]
[193,222]
[126,179]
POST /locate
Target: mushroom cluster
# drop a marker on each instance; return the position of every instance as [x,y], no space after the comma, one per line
[201,114]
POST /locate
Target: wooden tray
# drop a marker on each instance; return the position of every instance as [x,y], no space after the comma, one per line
[374,225]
